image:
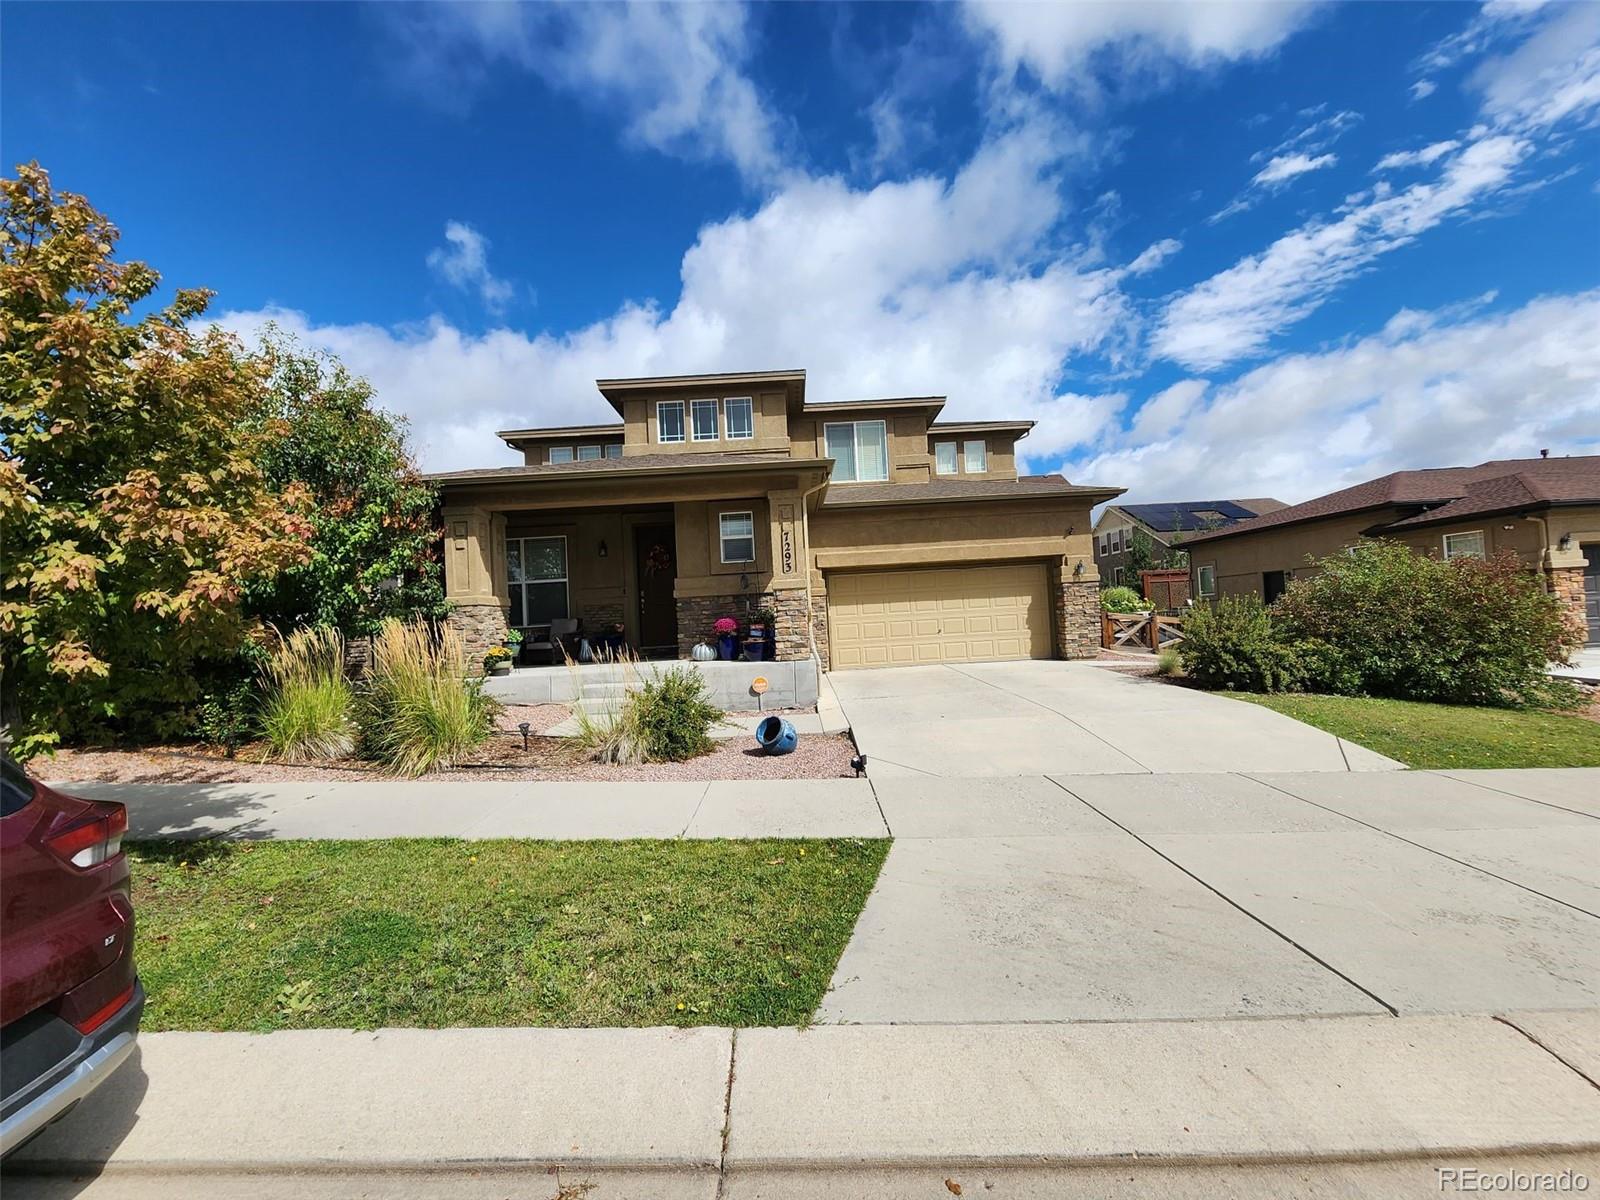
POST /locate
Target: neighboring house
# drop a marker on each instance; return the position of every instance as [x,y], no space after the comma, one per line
[1547,510]
[874,533]
[1166,525]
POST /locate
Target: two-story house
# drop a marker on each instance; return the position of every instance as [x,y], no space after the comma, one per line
[876,534]
[1167,526]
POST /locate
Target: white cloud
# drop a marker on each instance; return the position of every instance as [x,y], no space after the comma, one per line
[464,263]
[1153,256]
[1423,88]
[1057,41]
[1287,166]
[1234,313]
[1552,76]
[924,285]
[674,71]
[1430,390]
[1424,157]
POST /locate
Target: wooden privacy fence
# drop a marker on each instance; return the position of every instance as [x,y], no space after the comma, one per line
[1167,589]
[1139,631]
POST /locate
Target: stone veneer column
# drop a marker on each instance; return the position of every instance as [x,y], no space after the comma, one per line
[1567,586]
[1077,615]
[790,631]
[474,579]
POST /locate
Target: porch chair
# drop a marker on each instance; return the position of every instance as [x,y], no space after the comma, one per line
[563,637]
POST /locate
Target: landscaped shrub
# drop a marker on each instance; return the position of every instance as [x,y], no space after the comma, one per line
[1387,621]
[1235,645]
[421,707]
[1167,662]
[1121,599]
[307,711]
[675,715]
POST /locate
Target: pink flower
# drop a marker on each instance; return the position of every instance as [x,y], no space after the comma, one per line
[726,625]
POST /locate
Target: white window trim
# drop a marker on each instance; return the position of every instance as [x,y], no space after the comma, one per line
[1483,544]
[683,422]
[612,450]
[955,458]
[594,452]
[966,458]
[565,580]
[853,426]
[727,425]
[716,420]
[722,538]
[1200,580]
[550,455]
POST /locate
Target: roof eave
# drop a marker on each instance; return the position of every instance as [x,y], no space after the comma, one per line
[840,499]
[537,475]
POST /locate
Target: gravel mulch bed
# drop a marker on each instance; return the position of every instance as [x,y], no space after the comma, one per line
[539,717]
[817,756]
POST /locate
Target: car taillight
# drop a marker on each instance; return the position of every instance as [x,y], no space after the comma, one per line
[100,1016]
[92,841]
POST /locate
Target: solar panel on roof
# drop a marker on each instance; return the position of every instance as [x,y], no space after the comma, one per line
[1171,518]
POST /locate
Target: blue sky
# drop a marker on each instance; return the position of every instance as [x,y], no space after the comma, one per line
[1258,249]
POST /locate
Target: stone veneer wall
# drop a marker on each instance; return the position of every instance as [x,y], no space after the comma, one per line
[1077,603]
[599,617]
[819,631]
[1566,584]
[697,613]
[480,626]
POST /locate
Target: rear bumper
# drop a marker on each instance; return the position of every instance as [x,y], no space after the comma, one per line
[42,1100]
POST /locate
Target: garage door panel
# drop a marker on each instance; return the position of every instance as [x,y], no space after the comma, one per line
[939,615]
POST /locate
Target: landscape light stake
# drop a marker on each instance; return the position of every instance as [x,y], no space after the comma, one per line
[524,727]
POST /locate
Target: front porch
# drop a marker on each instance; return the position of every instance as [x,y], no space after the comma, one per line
[790,684]
[653,576]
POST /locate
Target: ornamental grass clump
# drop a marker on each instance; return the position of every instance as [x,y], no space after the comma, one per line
[307,711]
[422,708]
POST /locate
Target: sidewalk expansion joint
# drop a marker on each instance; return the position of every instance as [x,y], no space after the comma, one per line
[727,1110]
[1571,1066]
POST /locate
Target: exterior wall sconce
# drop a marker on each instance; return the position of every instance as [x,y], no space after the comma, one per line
[601,549]
[1077,567]
[1566,541]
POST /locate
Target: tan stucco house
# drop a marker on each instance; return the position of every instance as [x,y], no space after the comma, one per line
[1546,510]
[1167,524]
[875,534]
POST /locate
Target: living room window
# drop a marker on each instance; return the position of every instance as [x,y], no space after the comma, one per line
[976,453]
[1206,580]
[738,534]
[588,453]
[739,418]
[559,454]
[703,414]
[669,420]
[536,570]
[1464,545]
[859,449]
[944,458]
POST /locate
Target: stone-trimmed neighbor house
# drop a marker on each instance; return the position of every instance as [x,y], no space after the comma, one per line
[1547,510]
[875,534]
[1167,525]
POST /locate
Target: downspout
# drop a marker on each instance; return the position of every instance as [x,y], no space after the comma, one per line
[805,527]
[1544,549]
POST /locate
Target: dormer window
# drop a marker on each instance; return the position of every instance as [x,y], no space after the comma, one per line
[739,418]
[588,453]
[669,421]
[559,454]
[976,452]
[704,416]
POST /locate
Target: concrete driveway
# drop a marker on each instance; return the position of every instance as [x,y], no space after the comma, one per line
[1042,718]
[1161,897]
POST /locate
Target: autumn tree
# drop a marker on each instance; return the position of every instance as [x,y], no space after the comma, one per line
[374,540]
[133,514]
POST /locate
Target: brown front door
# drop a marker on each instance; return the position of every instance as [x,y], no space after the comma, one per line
[1591,590]
[655,552]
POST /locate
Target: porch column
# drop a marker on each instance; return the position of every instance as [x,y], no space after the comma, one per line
[1077,605]
[788,596]
[475,578]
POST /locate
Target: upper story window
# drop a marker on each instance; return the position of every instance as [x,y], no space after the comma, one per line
[560,454]
[944,458]
[588,453]
[704,415]
[739,418]
[737,531]
[613,449]
[859,449]
[976,452]
[669,420]
[1464,545]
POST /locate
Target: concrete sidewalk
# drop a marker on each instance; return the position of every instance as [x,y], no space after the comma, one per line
[880,1111]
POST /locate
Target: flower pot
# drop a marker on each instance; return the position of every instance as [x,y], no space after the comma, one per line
[501,668]
[727,646]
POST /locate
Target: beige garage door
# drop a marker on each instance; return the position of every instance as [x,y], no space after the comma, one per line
[938,615]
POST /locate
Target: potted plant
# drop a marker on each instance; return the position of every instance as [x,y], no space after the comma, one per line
[513,642]
[769,620]
[497,661]
[727,630]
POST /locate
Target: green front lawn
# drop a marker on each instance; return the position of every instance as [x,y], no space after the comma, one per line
[435,933]
[1445,736]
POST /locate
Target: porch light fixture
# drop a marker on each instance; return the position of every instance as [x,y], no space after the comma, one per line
[1077,567]
[1566,541]
[601,549]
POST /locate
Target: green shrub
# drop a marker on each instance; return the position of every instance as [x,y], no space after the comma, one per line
[1121,599]
[675,715]
[1234,645]
[421,708]
[1387,621]
[307,709]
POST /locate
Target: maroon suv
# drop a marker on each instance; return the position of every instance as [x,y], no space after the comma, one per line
[69,997]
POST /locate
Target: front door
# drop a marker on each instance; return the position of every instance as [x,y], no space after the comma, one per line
[656,569]
[1591,591]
